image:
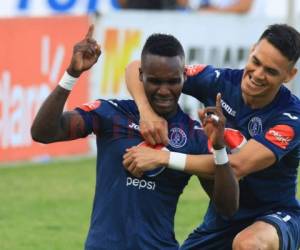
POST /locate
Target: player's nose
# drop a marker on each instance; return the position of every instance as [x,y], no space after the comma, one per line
[259,73]
[163,90]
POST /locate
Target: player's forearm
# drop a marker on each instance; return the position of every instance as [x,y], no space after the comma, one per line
[226,190]
[135,86]
[200,165]
[47,123]
[225,193]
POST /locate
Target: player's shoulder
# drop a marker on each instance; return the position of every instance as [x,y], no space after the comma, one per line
[287,102]
[109,106]
[127,107]
[215,74]
[195,69]
[122,103]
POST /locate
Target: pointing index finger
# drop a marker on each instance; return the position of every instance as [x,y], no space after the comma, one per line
[90,32]
[218,102]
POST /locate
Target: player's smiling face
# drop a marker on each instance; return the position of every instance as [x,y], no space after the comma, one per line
[264,73]
[163,79]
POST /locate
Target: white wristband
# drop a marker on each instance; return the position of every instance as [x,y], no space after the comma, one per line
[67,81]
[220,156]
[177,161]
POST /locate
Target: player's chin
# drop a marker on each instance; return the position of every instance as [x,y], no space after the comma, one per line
[164,110]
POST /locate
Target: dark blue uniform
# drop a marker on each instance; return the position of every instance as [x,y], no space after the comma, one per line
[270,194]
[135,213]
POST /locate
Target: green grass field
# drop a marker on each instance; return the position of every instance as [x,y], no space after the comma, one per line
[48,206]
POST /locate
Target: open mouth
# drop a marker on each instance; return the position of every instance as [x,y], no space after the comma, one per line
[255,84]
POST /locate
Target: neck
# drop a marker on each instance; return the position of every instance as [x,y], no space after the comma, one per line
[169,114]
[257,102]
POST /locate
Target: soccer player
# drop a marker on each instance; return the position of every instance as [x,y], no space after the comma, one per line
[128,212]
[255,102]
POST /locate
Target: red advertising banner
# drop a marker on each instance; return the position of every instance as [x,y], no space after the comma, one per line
[34,54]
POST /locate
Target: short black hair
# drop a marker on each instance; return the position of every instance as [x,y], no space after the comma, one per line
[285,38]
[163,45]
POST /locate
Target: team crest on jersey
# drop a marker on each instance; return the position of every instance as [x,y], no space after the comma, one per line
[89,106]
[192,70]
[178,138]
[255,126]
[280,135]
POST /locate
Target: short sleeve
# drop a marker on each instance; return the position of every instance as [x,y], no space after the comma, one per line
[99,116]
[282,135]
[204,82]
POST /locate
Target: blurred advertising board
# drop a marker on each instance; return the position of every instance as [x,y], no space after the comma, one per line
[34,54]
[13,8]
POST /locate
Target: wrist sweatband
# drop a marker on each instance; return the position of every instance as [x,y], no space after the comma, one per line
[177,161]
[67,81]
[220,156]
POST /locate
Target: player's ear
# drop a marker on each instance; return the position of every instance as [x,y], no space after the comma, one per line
[140,74]
[291,74]
[185,73]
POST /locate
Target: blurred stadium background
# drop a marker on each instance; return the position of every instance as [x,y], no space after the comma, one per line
[46,192]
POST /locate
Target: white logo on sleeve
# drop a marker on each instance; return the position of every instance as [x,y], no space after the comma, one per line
[217,73]
[196,127]
[291,116]
[113,103]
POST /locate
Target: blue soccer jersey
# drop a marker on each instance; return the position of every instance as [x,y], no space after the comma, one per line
[276,126]
[128,212]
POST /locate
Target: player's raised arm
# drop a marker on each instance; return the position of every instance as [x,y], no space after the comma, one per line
[225,194]
[153,128]
[51,123]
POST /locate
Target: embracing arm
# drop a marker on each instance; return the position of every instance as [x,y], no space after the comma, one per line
[153,128]
[252,157]
[51,124]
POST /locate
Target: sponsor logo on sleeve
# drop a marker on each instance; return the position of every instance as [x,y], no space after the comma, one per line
[89,106]
[234,140]
[280,135]
[192,70]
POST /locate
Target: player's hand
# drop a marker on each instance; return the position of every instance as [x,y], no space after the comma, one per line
[154,128]
[137,160]
[213,122]
[85,54]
